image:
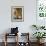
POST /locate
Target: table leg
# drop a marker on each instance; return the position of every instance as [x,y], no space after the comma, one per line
[5,40]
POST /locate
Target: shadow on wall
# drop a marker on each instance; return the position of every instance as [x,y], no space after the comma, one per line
[11,30]
[8,30]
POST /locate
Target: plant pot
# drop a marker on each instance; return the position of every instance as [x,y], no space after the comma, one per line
[38,40]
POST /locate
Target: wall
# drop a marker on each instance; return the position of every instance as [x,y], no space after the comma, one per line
[29,15]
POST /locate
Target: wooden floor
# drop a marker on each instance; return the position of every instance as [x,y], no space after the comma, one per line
[13,44]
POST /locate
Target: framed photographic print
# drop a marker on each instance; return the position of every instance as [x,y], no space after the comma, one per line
[17,13]
[41,8]
[41,12]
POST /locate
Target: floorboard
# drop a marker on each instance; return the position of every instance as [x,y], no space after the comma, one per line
[13,44]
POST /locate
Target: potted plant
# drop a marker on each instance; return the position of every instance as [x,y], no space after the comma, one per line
[38,27]
[39,35]
[35,26]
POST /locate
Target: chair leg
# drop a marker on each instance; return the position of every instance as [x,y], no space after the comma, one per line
[5,40]
[5,43]
[17,39]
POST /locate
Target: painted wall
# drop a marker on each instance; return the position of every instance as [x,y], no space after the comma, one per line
[29,15]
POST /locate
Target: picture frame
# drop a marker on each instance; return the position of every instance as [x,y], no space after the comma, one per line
[41,12]
[41,8]
[17,13]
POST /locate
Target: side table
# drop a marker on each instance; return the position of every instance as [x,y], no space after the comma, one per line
[8,34]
